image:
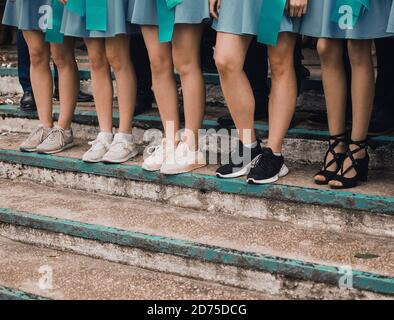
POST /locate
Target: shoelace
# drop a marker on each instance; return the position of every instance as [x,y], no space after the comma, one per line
[39,130]
[99,143]
[154,150]
[54,133]
[120,145]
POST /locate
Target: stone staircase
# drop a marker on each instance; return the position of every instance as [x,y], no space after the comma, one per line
[115,231]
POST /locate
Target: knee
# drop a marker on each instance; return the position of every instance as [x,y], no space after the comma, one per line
[39,56]
[161,65]
[63,60]
[281,65]
[359,52]
[326,51]
[185,66]
[226,63]
[98,61]
[114,59]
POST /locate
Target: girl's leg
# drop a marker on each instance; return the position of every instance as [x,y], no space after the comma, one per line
[363,86]
[186,55]
[363,91]
[40,74]
[230,58]
[335,89]
[118,55]
[283,97]
[163,80]
[101,82]
[64,58]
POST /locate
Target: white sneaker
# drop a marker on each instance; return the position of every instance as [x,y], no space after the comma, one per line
[183,160]
[156,156]
[35,139]
[121,150]
[99,148]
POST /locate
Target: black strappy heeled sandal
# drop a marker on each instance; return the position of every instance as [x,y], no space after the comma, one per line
[334,141]
[359,165]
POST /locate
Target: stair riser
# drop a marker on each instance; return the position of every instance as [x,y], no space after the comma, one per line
[299,151]
[223,274]
[305,215]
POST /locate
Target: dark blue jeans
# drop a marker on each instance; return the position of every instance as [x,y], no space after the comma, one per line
[24,64]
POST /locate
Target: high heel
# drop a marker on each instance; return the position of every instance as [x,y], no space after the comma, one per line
[359,165]
[334,142]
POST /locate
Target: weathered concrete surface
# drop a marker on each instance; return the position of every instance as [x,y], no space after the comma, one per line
[265,283]
[80,277]
[252,235]
[308,216]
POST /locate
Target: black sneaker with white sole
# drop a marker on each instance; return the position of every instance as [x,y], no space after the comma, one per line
[240,162]
[267,168]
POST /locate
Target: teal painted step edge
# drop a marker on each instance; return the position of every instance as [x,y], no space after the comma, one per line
[210,78]
[340,199]
[12,294]
[296,269]
[90,118]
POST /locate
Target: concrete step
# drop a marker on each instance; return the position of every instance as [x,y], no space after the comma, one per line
[368,208]
[303,144]
[274,258]
[30,272]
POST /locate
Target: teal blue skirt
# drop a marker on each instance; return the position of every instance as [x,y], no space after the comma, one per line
[117,21]
[188,12]
[242,18]
[391,20]
[26,14]
[371,25]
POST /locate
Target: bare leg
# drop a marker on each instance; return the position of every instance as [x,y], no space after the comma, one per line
[101,81]
[335,89]
[283,97]
[230,58]
[363,91]
[163,79]
[186,55]
[117,50]
[64,58]
[40,75]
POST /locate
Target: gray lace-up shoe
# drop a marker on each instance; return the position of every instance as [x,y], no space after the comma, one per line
[58,140]
[35,139]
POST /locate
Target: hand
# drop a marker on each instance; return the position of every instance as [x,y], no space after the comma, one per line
[214,8]
[297,8]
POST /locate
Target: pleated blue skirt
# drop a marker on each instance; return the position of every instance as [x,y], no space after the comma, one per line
[117,21]
[371,25]
[27,14]
[188,12]
[242,17]
[391,20]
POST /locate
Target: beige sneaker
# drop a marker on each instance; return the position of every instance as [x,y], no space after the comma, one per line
[156,155]
[58,140]
[183,160]
[35,139]
[121,150]
[99,148]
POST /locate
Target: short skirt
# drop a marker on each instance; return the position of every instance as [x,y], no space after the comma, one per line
[27,14]
[117,21]
[188,12]
[243,17]
[371,25]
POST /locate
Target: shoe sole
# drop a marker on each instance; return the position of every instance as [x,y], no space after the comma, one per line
[151,170]
[284,171]
[27,150]
[57,151]
[108,161]
[243,172]
[92,161]
[186,170]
